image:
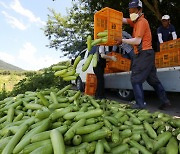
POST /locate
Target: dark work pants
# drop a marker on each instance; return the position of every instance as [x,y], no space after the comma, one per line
[143,69]
[99,72]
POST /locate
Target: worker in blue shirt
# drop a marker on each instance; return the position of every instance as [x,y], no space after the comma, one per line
[166,31]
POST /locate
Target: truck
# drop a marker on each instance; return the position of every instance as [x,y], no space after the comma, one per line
[120,81]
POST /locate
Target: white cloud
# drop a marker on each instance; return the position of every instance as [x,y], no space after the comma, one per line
[17,7]
[4,5]
[28,56]
[27,52]
[14,22]
[28,59]
[7,57]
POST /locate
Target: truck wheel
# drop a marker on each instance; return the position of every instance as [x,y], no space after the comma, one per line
[79,84]
[126,94]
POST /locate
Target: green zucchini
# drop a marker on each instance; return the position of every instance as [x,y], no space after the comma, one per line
[27,138]
[107,148]
[71,132]
[89,128]
[141,148]
[95,59]
[71,115]
[69,78]
[102,34]
[15,139]
[120,149]
[136,137]
[108,124]
[134,150]
[60,113]
[99,148]
[57,142]
[43,149]
[42,114]
[90,114]
[10,114]
[76,62]
[61,72]
[87,63]
[115,135]
[58,67]
[77,140]
[71,72]
[53,97]
[161,140]
[31,147]
[150,130]
[46,134]
[172,146]
[89,40]
[126,133]
[96,135]
[18,117]
[63,90]
[43,99]
[147,141]
[96,41]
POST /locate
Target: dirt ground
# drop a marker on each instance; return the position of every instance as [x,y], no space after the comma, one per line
[153,102]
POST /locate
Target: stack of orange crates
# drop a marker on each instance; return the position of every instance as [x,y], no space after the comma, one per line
[169,54]
[91,84]
[110,20]
[121,65]
[172,44]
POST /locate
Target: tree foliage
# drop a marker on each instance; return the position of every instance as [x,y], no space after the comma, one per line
[69,33]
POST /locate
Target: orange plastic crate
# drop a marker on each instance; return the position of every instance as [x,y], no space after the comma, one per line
[121,65]
[173,44]
[107,70]
[168,58]
[91,84]
[111,20]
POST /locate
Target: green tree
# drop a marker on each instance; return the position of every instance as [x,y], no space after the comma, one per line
[69,33]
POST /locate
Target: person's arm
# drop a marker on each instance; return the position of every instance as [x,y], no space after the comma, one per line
[102,54]
[132,41]
[124,21]
[160,38]
[173,31]
[174,35]
[113,58]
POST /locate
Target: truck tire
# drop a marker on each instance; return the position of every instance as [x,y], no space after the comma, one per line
[126,94]
[79,84]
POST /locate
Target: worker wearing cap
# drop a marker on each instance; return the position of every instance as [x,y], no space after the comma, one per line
[143,66]
[166,31]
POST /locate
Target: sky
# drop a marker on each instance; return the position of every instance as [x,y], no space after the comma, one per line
[22,42]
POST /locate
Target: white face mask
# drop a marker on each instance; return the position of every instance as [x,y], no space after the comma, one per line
[134,16]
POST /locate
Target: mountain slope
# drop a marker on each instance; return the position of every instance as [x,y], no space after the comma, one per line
[9,67]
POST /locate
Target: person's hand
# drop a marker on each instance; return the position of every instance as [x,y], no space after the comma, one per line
[113,58]
[118,40]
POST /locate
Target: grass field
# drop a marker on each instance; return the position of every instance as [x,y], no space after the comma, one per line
[9,81]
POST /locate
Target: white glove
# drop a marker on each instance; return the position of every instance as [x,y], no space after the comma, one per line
[113,58]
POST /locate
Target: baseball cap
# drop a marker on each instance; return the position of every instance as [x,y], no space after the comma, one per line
[165,17]
[135,3]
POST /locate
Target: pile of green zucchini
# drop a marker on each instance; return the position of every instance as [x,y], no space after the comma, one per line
[66,121]
[67,73]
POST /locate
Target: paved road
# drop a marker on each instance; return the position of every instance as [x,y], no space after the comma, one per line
[153,102]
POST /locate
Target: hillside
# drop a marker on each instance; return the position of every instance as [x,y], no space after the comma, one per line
[10,67]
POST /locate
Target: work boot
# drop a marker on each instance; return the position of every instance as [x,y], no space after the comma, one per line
[164,106]
[136,106]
